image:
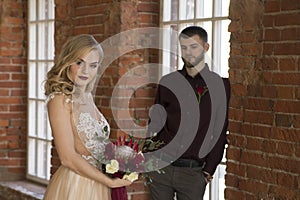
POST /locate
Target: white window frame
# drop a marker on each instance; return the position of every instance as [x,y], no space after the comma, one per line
[212,15]
[40,60]
[214,22]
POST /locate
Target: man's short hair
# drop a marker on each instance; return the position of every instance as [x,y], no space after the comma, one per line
[194,30]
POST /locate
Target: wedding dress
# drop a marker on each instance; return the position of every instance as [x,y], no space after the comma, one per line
[91,132]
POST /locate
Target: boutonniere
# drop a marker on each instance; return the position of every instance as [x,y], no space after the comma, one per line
[201,90]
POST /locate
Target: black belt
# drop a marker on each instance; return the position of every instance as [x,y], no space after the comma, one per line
[187,163]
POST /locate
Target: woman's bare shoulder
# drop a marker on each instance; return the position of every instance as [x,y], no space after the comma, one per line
[59,100]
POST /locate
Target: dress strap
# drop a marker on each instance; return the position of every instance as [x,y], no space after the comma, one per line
[52,95]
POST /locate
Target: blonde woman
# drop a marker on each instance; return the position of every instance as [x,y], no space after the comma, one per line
[77,124]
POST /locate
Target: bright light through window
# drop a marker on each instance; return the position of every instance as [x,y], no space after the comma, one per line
[40,60]
[212,15]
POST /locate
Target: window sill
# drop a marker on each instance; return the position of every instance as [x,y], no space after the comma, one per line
[11,190]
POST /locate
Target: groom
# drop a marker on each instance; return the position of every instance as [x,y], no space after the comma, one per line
[188,175]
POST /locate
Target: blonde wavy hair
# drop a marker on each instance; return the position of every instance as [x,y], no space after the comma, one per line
[58,78]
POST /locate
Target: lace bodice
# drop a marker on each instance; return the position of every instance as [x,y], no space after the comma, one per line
[91,127]
[93,133]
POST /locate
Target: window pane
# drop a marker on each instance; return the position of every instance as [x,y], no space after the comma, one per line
[32,116]
[222,8]
[186,9]
[32,80]
[41,41]
[170,47]
[41,118]
[204,9]
[221,47]
[31,156]
[51,9]
[32,41]
[50,46]
[32,7]
[41,158]
[42,73]
[48,173]
[42,10]
[170,10]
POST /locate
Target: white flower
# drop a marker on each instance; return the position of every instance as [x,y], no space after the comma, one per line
[131,177]
[112,167]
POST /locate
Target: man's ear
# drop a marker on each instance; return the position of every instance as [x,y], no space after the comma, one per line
[206,46]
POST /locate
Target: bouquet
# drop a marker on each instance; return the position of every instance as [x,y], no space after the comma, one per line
[124,159]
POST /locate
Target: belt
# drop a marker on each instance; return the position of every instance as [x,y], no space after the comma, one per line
[187,163]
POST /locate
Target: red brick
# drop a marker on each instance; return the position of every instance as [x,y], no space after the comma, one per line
[231,180]
[287,149]
[269,91]
[252,186]
[270,63]
[90,10]
[272,34]
[8,100]
[287,49]
[288,64]
[268,20]
[289,34]
[254,143]
[287,19]
[282,120]
[254,158]
[148,7]
[4,123]
[272,6]
[259,117]
[286,92]
[144,196]
[261,174]
[296,121]
[287,106]
[258,104]
[281,192]
[286,78]
[290,5]
[268,49]
[231,193]
[236,169]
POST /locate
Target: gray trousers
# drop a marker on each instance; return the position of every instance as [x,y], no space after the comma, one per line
[187,183]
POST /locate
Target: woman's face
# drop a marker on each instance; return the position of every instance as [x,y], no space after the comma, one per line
[84,70]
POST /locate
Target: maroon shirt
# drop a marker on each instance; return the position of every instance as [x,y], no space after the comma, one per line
[166,98]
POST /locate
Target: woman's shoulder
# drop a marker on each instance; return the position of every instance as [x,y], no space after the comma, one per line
[58,96]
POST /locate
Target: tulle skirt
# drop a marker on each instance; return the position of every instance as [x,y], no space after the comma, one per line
[67,185]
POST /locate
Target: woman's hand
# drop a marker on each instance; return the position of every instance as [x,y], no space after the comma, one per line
[117,182]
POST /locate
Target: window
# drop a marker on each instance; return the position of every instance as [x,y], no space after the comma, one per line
[212,15]
[40,60]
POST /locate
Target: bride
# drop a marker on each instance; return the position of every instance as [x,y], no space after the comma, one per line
[77,124]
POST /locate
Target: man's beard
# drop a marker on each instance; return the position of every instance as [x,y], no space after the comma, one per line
[192,65]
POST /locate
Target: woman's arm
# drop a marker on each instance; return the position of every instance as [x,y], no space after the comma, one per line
[60,121]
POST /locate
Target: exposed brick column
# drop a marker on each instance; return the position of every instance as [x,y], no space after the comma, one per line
[13,89]
[264,141]
[104,19]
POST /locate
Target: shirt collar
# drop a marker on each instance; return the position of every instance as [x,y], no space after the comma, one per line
[185,74]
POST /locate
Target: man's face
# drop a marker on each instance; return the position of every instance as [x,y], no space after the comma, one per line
[192,50]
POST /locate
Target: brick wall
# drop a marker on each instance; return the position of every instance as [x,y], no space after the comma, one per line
[13,89]
[264,141]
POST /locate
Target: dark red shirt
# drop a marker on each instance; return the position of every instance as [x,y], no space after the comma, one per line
[169,101]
